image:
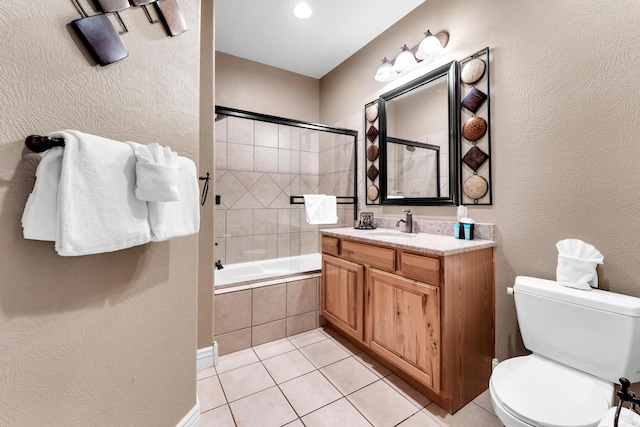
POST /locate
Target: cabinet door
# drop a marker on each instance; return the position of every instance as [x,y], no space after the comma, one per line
[342,299]
[404,324]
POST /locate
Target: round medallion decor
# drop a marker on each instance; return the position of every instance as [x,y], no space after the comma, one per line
[372,152]
[474,128]
[372,193]
[475,187]
[473,71]
[372,113]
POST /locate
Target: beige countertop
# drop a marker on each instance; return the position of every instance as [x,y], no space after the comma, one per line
[433,244]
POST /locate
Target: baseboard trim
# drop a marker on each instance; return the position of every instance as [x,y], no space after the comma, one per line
[192,419]
[205,358]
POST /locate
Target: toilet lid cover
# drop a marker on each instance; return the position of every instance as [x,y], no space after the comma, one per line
[547,394]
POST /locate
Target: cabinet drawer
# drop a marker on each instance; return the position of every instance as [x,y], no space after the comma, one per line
[382,258]
[330,245]
[423,268]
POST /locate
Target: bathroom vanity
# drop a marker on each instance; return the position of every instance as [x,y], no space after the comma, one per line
[422,304]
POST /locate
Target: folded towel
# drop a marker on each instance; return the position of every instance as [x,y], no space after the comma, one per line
[577,263]
[179,218]
[97,207]
[40,216]
[156,173]
[320,209]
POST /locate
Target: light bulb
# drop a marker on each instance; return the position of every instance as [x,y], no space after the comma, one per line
[302,11]
[385,71]
[404,60]
[429,47]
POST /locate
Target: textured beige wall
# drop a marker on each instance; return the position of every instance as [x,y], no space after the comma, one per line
[250,86]
[206,235]
[107,339]
[565,129]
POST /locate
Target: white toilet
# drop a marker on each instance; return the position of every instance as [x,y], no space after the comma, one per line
[582,342]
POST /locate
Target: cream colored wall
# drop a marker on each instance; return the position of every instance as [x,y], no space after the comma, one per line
[565,129]
[107,339]
[250,86]
[206,235]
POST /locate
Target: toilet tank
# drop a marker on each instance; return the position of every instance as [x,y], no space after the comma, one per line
[597,332]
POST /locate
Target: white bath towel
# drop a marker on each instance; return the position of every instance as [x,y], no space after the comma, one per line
[182,217]
[320,209]
[577,263]
[97,208]
[156,173]
[40,216]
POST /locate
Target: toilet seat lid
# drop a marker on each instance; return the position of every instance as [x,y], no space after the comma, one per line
[546,394]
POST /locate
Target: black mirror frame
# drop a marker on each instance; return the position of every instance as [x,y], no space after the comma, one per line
[451,71]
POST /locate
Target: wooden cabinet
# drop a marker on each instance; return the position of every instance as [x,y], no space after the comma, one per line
[342,298]
[403,324]
[428,318]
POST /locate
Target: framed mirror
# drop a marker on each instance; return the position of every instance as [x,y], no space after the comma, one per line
[419,140]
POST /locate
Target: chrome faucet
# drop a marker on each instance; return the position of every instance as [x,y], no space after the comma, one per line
[408,221]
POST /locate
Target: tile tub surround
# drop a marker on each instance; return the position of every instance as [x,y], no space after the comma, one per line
[253,314]
[444,228]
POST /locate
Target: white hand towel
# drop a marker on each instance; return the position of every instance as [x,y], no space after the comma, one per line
[156,173]
[97,208]
[182,217]
[40,216]
[320,209]
[577,263]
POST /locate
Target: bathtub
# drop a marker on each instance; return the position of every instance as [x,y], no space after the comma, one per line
[257,271]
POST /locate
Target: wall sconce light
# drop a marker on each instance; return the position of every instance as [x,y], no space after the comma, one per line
[429,47]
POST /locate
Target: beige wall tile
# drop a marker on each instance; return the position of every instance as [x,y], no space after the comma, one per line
[269,304]
[284,245]
[265,247]
[239,157]
[284,137]
[239,222]
[301,323]
[266,134]
[232,311]
[233,341]
[239,131]
[239,249]
[268,332]
[265,221]
[301,297]
[221,155]
[265,159]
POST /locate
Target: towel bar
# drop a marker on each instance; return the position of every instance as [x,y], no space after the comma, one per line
[39,143]
[341,200]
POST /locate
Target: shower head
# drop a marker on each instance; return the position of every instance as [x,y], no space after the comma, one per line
[410,148]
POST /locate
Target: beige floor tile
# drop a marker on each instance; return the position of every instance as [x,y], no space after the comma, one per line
[236,360]
[339,413]
[484,401]
[372,398]
[309,392]
[288,366]
[306,338]
[218,417]
[273,348]
[323,353]
[268,408]
[349,375]
[373,365]
[410,393]
[244,381]
[210,393]
[296,423]
[421,419]
[470,415]
[205,373]
[345,344]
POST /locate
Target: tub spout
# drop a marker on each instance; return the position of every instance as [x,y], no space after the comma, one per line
[219,265]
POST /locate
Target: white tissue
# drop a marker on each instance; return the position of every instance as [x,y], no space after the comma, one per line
[577,263]
[627,418]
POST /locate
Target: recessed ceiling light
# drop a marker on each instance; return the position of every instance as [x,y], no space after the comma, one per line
[302,11]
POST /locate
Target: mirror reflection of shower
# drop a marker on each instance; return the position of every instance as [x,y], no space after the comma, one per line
[413,169]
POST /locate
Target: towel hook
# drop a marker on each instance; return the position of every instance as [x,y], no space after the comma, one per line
[39,143]
[205,189]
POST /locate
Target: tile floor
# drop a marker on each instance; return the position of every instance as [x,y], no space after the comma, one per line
[317,378]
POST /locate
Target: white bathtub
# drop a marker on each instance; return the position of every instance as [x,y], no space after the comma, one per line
[257,271]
